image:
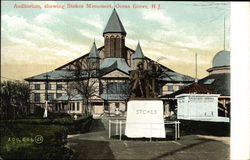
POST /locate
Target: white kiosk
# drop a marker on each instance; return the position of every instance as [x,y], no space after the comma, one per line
[200,107]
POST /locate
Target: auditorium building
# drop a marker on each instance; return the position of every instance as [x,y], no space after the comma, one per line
[110,65]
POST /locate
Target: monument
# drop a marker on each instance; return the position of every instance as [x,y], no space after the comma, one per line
[144,109]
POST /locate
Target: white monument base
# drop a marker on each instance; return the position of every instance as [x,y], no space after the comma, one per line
[145,119]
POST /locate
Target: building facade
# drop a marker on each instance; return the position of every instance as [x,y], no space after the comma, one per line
[105,69]
[217,82]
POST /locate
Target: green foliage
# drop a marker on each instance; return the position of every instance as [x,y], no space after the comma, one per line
[53,131]
[14,98]
[82,124]
[19,141]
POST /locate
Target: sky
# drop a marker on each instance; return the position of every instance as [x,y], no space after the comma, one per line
[36,40]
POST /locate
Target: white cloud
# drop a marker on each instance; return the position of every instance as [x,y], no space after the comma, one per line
[167,53]
[129,27]
[94,21]
[168,57]
[66,53]
[90,34]
[131,42]
[20,24]
[194,43]
[20,32]
[13,23]
[127,23]
[45,18]
[21,41]
[178,38]
[160,17]
[173,33]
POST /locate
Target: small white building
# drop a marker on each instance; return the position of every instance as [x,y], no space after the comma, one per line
[200,107]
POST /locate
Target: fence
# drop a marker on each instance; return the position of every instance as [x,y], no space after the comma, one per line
[118,127]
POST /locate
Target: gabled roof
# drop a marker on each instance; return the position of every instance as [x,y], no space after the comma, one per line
[192,88]
[218,83]
[114,24]
[109,64]
[138,53]
[93,52]
[58,75]
[171,76]
[109,69]
[75,60]
[53,75]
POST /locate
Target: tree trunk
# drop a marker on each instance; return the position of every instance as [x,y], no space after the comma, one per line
[88,108]
[14,113]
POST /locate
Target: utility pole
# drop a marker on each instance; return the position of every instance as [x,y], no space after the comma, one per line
[108,96]
[46,96]
[224,34]
[46,87]
[196,80]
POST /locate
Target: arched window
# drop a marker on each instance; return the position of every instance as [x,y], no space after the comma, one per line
[107,46]
[112,46]
[118,47]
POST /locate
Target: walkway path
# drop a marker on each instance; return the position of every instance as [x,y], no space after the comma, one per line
[96,145]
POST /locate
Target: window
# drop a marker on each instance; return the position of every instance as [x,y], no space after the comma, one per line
[117,105]
[111,87]
[59,86]
[78,106]
[48,86]
[118,88]
[37,86]
[112,46]
[106,106]
[209,81]
[58,95]
[50,96]
[176,88]
[37,97]
[182,87]
[170,88]
[73,104]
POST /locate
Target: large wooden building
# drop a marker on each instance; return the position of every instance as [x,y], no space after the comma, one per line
[112,63]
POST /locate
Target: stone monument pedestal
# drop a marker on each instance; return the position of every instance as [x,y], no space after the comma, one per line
[145,119]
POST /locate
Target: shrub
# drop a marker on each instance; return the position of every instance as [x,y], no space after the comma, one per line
[14,146]
[53,131]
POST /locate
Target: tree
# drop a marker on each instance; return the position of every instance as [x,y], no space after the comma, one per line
[14,98]
[126,91]
[84,81]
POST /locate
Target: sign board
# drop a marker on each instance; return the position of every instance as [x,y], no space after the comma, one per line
[145,119]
